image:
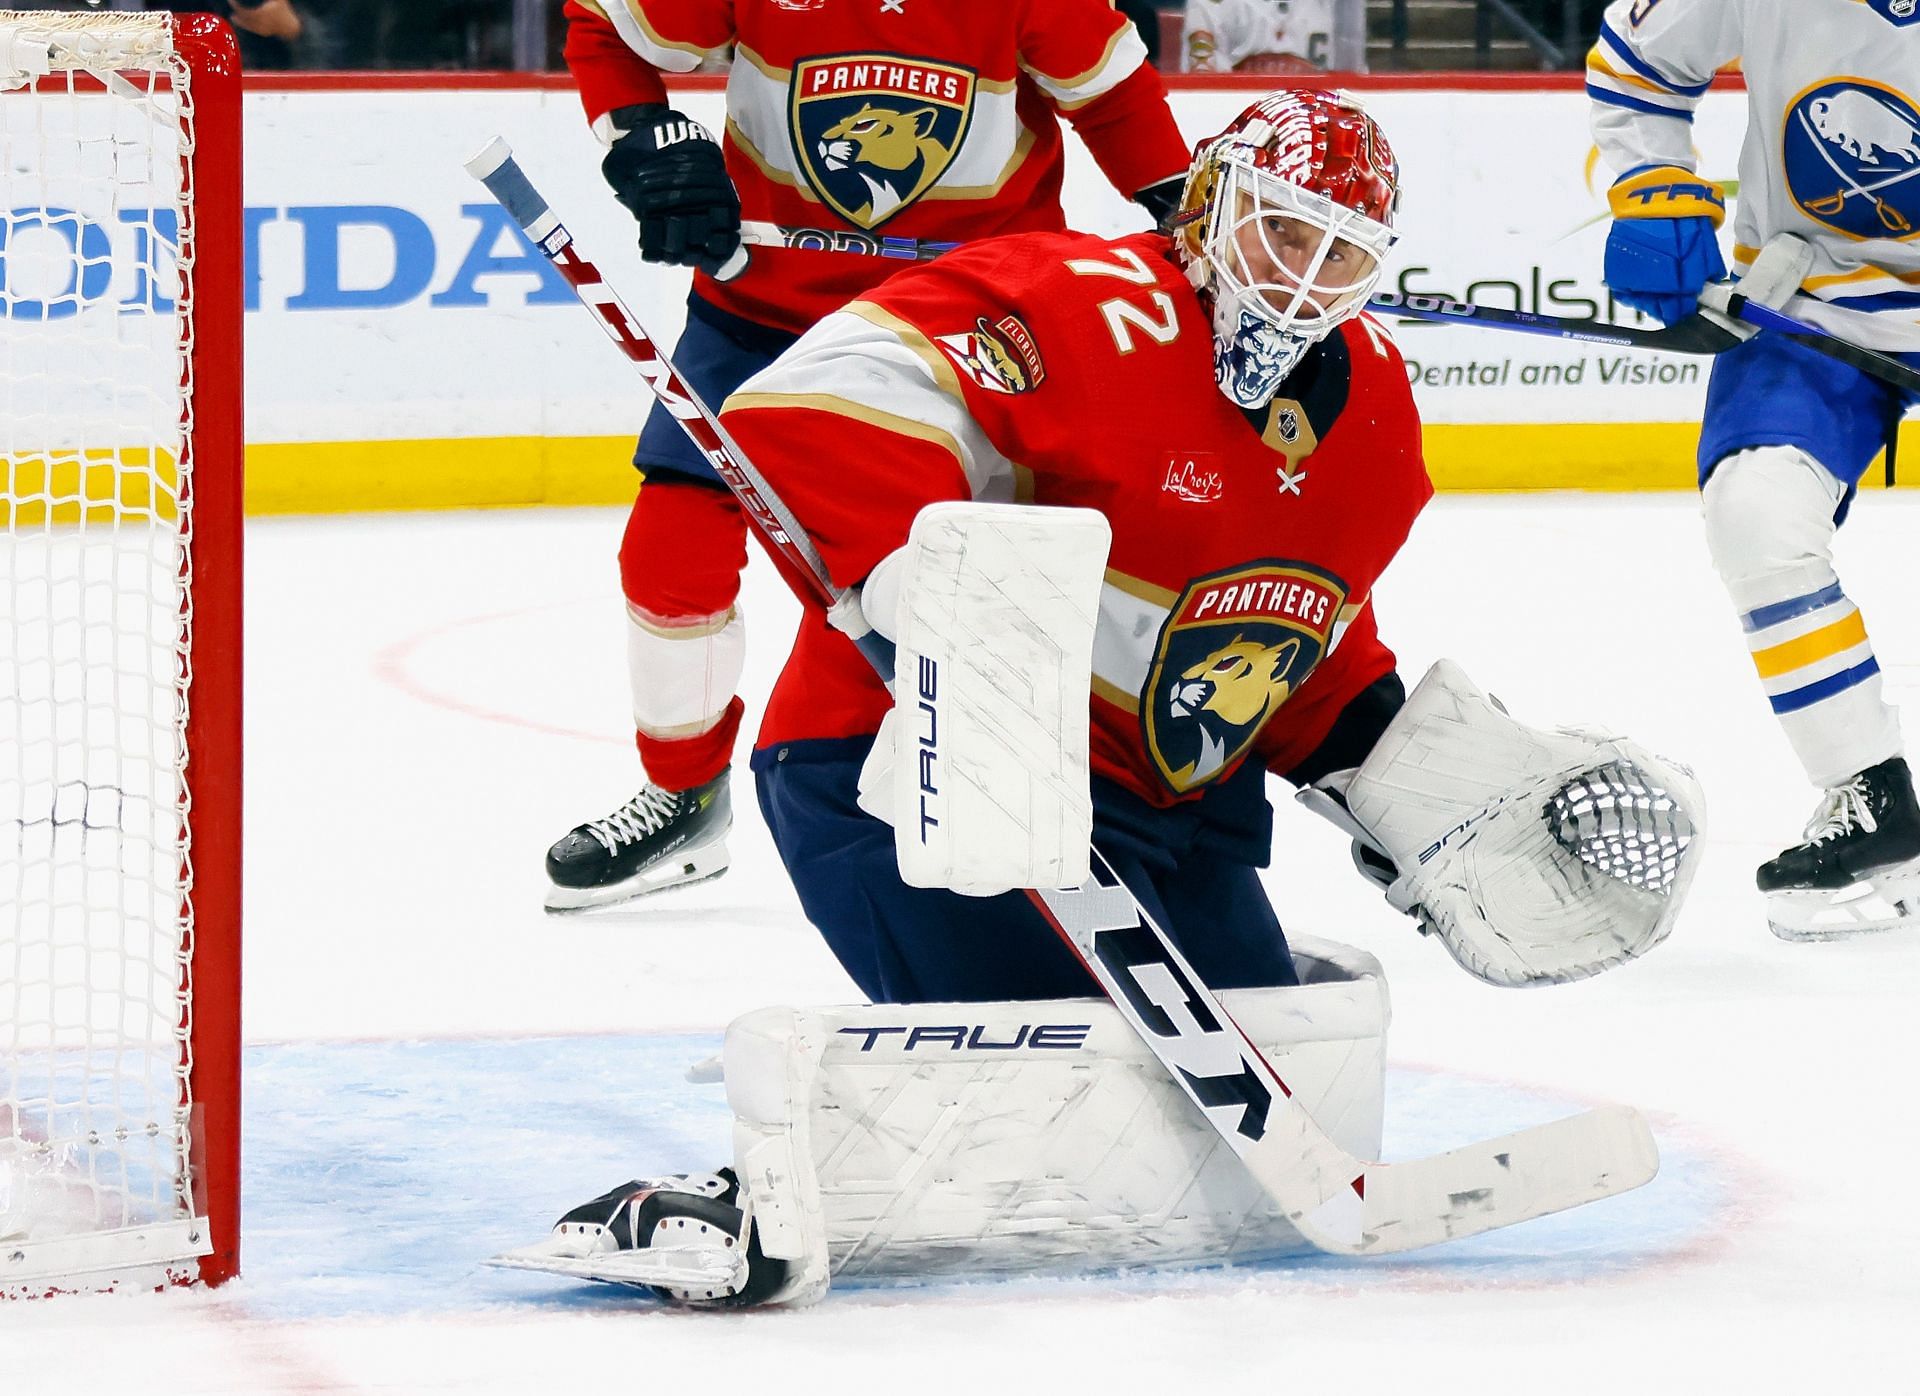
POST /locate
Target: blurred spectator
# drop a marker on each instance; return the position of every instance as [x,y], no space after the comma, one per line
[1257,36]
[1145,15]
[274,34]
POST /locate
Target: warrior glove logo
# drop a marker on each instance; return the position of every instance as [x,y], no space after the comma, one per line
[874,132]
[1852,154]
[1233,650]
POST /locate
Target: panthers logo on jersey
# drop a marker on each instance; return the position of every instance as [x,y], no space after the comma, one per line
[1852,154]
[874,131]
[1233,649]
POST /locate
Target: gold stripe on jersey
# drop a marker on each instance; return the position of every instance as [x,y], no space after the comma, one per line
[910,336]
[833,406]
[1597,62]
[1119,697]
[1118,62]
[629,19]
[1142,590]
[774,73]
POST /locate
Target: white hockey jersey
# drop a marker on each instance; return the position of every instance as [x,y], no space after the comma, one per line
[1219,35]
[1832,149]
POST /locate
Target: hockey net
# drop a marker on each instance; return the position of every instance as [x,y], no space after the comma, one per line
[120,309]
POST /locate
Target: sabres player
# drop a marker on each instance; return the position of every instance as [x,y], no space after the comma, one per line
[864,120]
[1832,157]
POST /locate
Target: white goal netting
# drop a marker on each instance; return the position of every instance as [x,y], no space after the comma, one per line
[96,422]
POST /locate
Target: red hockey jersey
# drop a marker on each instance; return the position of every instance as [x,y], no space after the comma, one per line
[936,122]
[1073,370]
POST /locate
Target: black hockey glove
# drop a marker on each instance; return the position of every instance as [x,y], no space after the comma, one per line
[670,175]
[1162,200]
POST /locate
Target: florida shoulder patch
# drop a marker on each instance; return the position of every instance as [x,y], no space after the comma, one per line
[997,355]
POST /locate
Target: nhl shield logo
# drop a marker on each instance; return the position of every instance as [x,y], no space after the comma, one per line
[1852,154]
[1233,649]
[874,132]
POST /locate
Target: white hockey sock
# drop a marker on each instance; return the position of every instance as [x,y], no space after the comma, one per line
[1769,515]
[684,670]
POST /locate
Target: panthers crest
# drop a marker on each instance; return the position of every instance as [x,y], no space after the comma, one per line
[874,132]
[1234,648]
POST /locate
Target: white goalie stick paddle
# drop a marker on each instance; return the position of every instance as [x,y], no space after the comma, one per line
[1337,1201]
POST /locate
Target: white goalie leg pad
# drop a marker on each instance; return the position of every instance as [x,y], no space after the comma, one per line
[684,670]
[1536,856]
[980,1139]
[982,768]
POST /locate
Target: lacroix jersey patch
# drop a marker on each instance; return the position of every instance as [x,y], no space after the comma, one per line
[874,131]
[999,356]
[1233,649]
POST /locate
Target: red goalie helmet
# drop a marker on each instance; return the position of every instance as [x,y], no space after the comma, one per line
[1285,221]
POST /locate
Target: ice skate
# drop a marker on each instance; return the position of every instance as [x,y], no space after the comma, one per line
[658,839]
[1859,869]
[686,1237]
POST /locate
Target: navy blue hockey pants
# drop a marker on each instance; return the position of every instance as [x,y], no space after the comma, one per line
[906,944]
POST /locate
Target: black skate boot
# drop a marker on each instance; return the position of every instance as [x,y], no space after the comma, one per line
[1859,869]
[656,840]
[688,1237]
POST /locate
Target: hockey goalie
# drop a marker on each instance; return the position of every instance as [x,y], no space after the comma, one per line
[1153,481]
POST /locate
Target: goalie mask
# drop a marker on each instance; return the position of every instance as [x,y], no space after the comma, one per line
[1285,221]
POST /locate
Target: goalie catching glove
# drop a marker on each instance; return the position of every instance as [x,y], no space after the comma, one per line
[1536,857]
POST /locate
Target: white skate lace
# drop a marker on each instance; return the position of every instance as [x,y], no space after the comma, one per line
[1846,809]
[646,813]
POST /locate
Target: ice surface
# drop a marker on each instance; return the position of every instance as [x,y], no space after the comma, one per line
[437,1068]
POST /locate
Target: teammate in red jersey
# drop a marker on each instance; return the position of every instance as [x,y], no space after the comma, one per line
[1251,439]
[927,121]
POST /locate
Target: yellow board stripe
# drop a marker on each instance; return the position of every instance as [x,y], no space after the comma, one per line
[507,472]
[1803,650]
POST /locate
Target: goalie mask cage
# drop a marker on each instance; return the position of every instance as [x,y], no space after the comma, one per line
[120,510]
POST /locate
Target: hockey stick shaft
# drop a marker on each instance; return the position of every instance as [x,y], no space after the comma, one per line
[1697,334]
[1321,1187]
[496,168]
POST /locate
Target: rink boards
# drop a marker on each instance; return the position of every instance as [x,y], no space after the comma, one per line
[406,350]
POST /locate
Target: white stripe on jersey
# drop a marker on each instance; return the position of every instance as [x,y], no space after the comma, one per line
[862,363]
[627,17]
[1125,54]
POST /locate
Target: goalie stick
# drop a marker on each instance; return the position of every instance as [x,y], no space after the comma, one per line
[1338,1202]
[1700,333]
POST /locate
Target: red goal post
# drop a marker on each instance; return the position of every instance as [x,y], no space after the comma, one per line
[121,298]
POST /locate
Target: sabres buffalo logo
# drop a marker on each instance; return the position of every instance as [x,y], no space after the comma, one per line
[1851,151]
[1232,651]
[874,132]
